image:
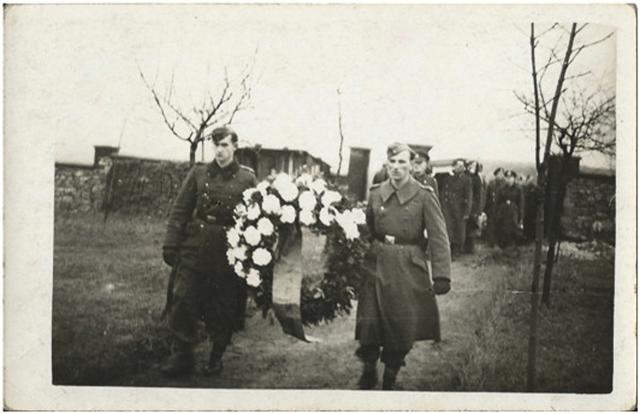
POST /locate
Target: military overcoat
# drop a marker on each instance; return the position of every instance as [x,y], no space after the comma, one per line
[397,304]
[457,203]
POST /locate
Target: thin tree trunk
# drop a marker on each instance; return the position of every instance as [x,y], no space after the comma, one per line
[341,135]
[192,153]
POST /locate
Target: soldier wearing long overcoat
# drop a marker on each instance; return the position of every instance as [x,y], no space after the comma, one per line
[206,286]
[397,303]
[509,211]
[472,227]
[457,203]
[490,208]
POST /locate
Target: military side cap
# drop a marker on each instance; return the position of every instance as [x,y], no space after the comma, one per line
[397,147]
[220,133]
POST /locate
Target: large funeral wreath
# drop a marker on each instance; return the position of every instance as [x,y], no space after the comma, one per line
[282,206]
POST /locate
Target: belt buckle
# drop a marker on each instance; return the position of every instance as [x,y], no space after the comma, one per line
[389,239]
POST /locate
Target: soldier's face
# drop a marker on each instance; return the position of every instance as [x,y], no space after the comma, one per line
[224,150]
[458,167]
[419,165]
[510,180]
[399,165]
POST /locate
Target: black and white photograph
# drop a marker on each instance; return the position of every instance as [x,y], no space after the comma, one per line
[320,206]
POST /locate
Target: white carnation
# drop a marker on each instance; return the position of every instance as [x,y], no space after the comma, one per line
[262,187]
[253,212]
[304,180]
[288,214]
[358,216]
[265,227]
[326,217]
[246,194]
[281,180]
[253,278]
[307,200]
[289,192]
[239,269]
[318,185]
[240,252]
[233,237]
[240,210]
[348,225]
[330,197]
[261,256]
[307,217]
[271,204]
[252,236]
[231,258]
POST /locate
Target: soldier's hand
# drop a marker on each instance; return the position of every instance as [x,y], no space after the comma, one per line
[170,255]
[441,286]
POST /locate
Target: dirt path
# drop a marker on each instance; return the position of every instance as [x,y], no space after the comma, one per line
[263,357]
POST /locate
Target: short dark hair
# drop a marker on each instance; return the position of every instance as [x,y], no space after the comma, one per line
[221,133]
[457,160]
[498,170]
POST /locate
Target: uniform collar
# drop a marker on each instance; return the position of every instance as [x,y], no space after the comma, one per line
[226,172]
[404,193]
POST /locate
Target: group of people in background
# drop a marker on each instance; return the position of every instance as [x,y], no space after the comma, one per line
[500,211]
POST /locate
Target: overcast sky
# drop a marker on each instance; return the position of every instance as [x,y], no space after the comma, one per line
[434,75]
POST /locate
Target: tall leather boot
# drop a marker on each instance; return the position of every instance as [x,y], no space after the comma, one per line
[369,377]
[181,361]
[214,366]
[389,377]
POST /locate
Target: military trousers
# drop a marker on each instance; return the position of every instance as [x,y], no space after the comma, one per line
[203,292]
[393,358]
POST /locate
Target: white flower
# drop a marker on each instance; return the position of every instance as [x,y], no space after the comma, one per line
[253,212]
[358,216]
[252,236]
[231,257]
[288,214]
[233,237]
[307,200]
[261,256]
[240,210]
[239,269]
[330,197]
[246,194]
[348,225]
[307,217]
[253,278]
[304,180]
[318,185]
[265,227]
[271,204]
[240,252]
[262,187]
[289,192]
[281,180]
[325,216]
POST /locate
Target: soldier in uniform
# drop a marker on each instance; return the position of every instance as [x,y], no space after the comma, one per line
[457,205]
[206,286]
[493,188]
[509,211]
[381,174]
[473,230]
[421,171]
[396,304]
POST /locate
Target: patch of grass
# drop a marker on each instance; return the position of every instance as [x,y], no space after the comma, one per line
[106,298]
[575,333]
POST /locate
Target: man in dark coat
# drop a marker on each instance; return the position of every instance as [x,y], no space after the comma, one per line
[457,205]
[509,211]
[472,227]
[397,303]
[206,286]
[493,188]
[421,171]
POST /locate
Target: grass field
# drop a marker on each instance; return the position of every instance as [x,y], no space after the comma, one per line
[109,286]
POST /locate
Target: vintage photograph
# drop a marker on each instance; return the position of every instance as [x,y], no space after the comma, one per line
[351,197]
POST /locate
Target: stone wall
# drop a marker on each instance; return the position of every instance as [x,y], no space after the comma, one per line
[590,200]
[79,188]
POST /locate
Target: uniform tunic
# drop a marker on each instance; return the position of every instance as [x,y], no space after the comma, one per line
[457,204]
[206,285]
[397,305]
[428,180]
[509,213]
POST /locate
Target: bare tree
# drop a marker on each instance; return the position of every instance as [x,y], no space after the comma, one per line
[584,123]
[193,126]
[341,135]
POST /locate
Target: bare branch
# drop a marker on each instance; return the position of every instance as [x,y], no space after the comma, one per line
[586,45]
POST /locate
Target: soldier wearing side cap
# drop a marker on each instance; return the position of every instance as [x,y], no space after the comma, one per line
[206,286]
[397,304]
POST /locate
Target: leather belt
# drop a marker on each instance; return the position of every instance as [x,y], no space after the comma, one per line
[387,239]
